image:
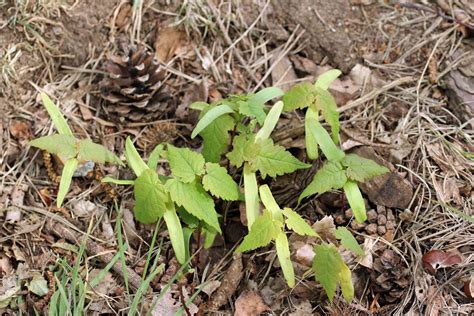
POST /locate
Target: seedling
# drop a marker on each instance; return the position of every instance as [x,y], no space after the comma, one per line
[188,188]
[69,149]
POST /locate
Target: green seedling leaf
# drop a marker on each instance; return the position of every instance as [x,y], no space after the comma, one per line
[274,160]
[185,164]
[270,122]
[322,137]
[347,287]
[356,201]
[195,200]
[155,157]
[252,202]
[199,105]
[62,145]
[265,95]
[188,233]
[216,137]
[310,141]
[66,177]
[269,202]
[283,253]
[255,110]
[361,169]
[330,269]
[330,176]
[297,224]
[261,233]
[348,241]
[299,96]
[150,197]
[243,149]
[209,236]
[176,234]
[117,181]
[89,151]
[325,79]
[209,117]
[134,160]
[326,103]
[55,114]
[220,183]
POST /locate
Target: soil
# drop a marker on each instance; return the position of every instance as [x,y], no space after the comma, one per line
[405,99]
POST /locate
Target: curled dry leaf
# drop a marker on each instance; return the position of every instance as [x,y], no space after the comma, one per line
[250,303]
[168,41]
[436,259]
[305,255]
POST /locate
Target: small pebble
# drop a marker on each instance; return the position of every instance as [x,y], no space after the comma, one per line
[372,216]
[371,229]
[381,230]
[381,220]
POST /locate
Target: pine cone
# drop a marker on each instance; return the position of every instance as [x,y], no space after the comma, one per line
[134,89]
[390,277]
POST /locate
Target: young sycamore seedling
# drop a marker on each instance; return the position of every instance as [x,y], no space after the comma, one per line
[70,150]
[158,196]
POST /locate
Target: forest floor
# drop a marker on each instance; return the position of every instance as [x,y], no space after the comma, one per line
[406,99]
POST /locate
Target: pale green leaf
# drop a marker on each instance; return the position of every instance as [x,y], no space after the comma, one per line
[261,233]
[327,264]
[255,110]
[185,164]
[175,231]
[269,202]
[195,200]
[95,152]
[326,103]
[134,160]
[362,169]
[297,224]
[154,157]
[216,137]
[199,105]
[270,122]
[117,181]
[330,176]
[356,201]
[66,177]
[252,202]
[348,241]
[322,137]
[38,285]
[61,145]
[209,237]
[310,141]
[325,79]
[150,197]
[220,183]
[243,149]
[283,253]
[55,114]
[347,287]
[274,160]
[265,95]
[209,117]
[299,96]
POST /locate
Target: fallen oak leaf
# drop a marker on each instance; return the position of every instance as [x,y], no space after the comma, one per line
[436,259]
[250,303]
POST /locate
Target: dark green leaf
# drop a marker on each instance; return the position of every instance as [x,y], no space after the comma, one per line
[216,138]
[330,176]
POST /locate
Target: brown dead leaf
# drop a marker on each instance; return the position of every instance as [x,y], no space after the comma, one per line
[436,259]
[250,303]
[304,65]
[326,229]
[344,90]
[124,16]
[21,130]
[167,43]
[283,74]
[469,288]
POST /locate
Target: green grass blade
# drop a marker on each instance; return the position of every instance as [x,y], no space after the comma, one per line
[143,288]
[283,253]
[269,202]
[209,117]
[270,121]
[252,206]
[58,119]
[121,248]
[66,177]
[117,181]
[322,137]
[175,231]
